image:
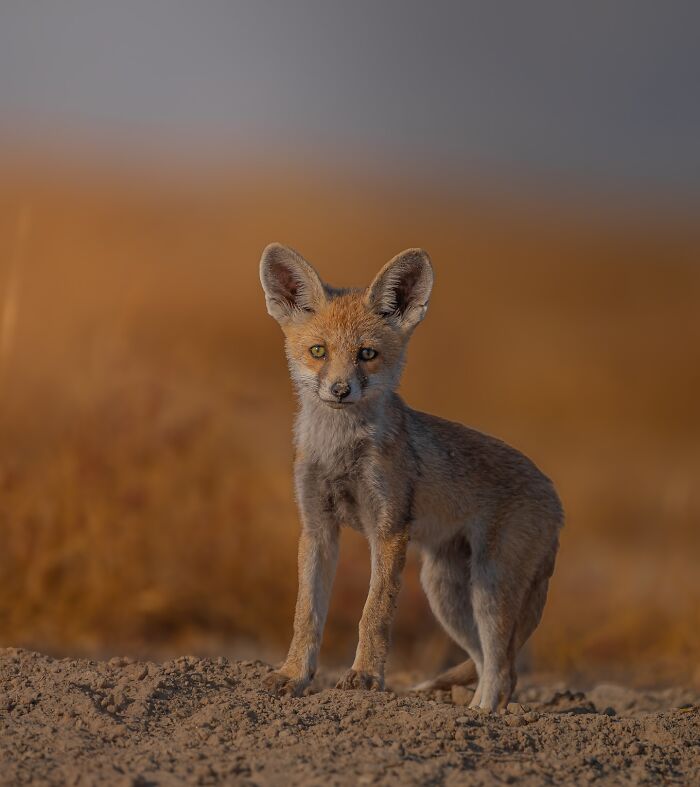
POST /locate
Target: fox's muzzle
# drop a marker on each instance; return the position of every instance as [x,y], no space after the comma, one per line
[341,389]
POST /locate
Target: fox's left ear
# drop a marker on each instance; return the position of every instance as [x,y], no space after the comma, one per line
[401,290]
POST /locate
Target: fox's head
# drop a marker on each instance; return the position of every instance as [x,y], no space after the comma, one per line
[345,346]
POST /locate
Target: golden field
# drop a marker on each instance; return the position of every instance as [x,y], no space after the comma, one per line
[145,410]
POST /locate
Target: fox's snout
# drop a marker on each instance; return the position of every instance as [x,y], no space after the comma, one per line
[338,380]
[341,389]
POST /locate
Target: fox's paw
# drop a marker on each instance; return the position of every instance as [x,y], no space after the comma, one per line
[354,679]
[284,686]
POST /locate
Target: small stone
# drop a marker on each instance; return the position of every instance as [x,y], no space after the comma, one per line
[461,695]
[514,721]
[531,716]
[635,748]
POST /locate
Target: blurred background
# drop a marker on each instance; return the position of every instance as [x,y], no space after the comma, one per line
[546,155]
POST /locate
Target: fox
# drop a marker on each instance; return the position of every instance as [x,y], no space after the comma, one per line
[484,518]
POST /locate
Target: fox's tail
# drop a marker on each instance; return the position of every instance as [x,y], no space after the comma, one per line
[461,675]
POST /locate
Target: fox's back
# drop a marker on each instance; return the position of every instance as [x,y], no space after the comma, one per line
[466,476]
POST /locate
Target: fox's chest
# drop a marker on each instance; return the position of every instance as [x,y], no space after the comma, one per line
[346,504]
[345,490]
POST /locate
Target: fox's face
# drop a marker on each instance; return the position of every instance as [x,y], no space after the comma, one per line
[345,347]
[344,352]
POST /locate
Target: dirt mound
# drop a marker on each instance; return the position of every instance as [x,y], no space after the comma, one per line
[209,721]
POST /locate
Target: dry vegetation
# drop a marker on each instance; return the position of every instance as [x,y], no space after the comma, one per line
[145,457]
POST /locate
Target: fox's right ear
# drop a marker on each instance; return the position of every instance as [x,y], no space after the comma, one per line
[293,289]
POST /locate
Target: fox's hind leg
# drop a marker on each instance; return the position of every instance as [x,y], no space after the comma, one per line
[510,575]
[488,611]
[495,606]
[446,579]
[533,605]
[528,619]
[463,674]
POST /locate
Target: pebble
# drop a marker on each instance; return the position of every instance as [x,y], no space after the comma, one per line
[461,695]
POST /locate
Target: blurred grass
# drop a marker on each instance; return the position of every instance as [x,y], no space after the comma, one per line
[145,410]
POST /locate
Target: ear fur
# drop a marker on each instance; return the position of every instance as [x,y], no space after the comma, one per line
[401,290]
[293,289]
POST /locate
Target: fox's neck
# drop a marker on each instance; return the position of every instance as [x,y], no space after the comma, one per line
[322,432]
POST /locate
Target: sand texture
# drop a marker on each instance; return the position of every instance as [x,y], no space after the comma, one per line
[209,721]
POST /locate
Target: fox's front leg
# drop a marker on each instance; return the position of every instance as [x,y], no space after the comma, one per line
[388,559]
[318,555]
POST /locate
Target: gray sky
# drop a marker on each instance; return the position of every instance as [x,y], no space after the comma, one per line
[594,92]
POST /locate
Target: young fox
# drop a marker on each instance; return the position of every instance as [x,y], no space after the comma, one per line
[484,518]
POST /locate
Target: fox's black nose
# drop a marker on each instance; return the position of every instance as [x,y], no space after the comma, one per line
[340,389]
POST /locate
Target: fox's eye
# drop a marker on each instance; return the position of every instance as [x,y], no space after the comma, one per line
[367,353]
[318,351]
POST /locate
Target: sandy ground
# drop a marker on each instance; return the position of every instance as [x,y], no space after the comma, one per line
[209,721]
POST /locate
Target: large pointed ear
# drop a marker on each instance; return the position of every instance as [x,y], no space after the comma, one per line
[293,289]
[401,290]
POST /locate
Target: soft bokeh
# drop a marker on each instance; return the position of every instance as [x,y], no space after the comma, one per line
[145,410]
